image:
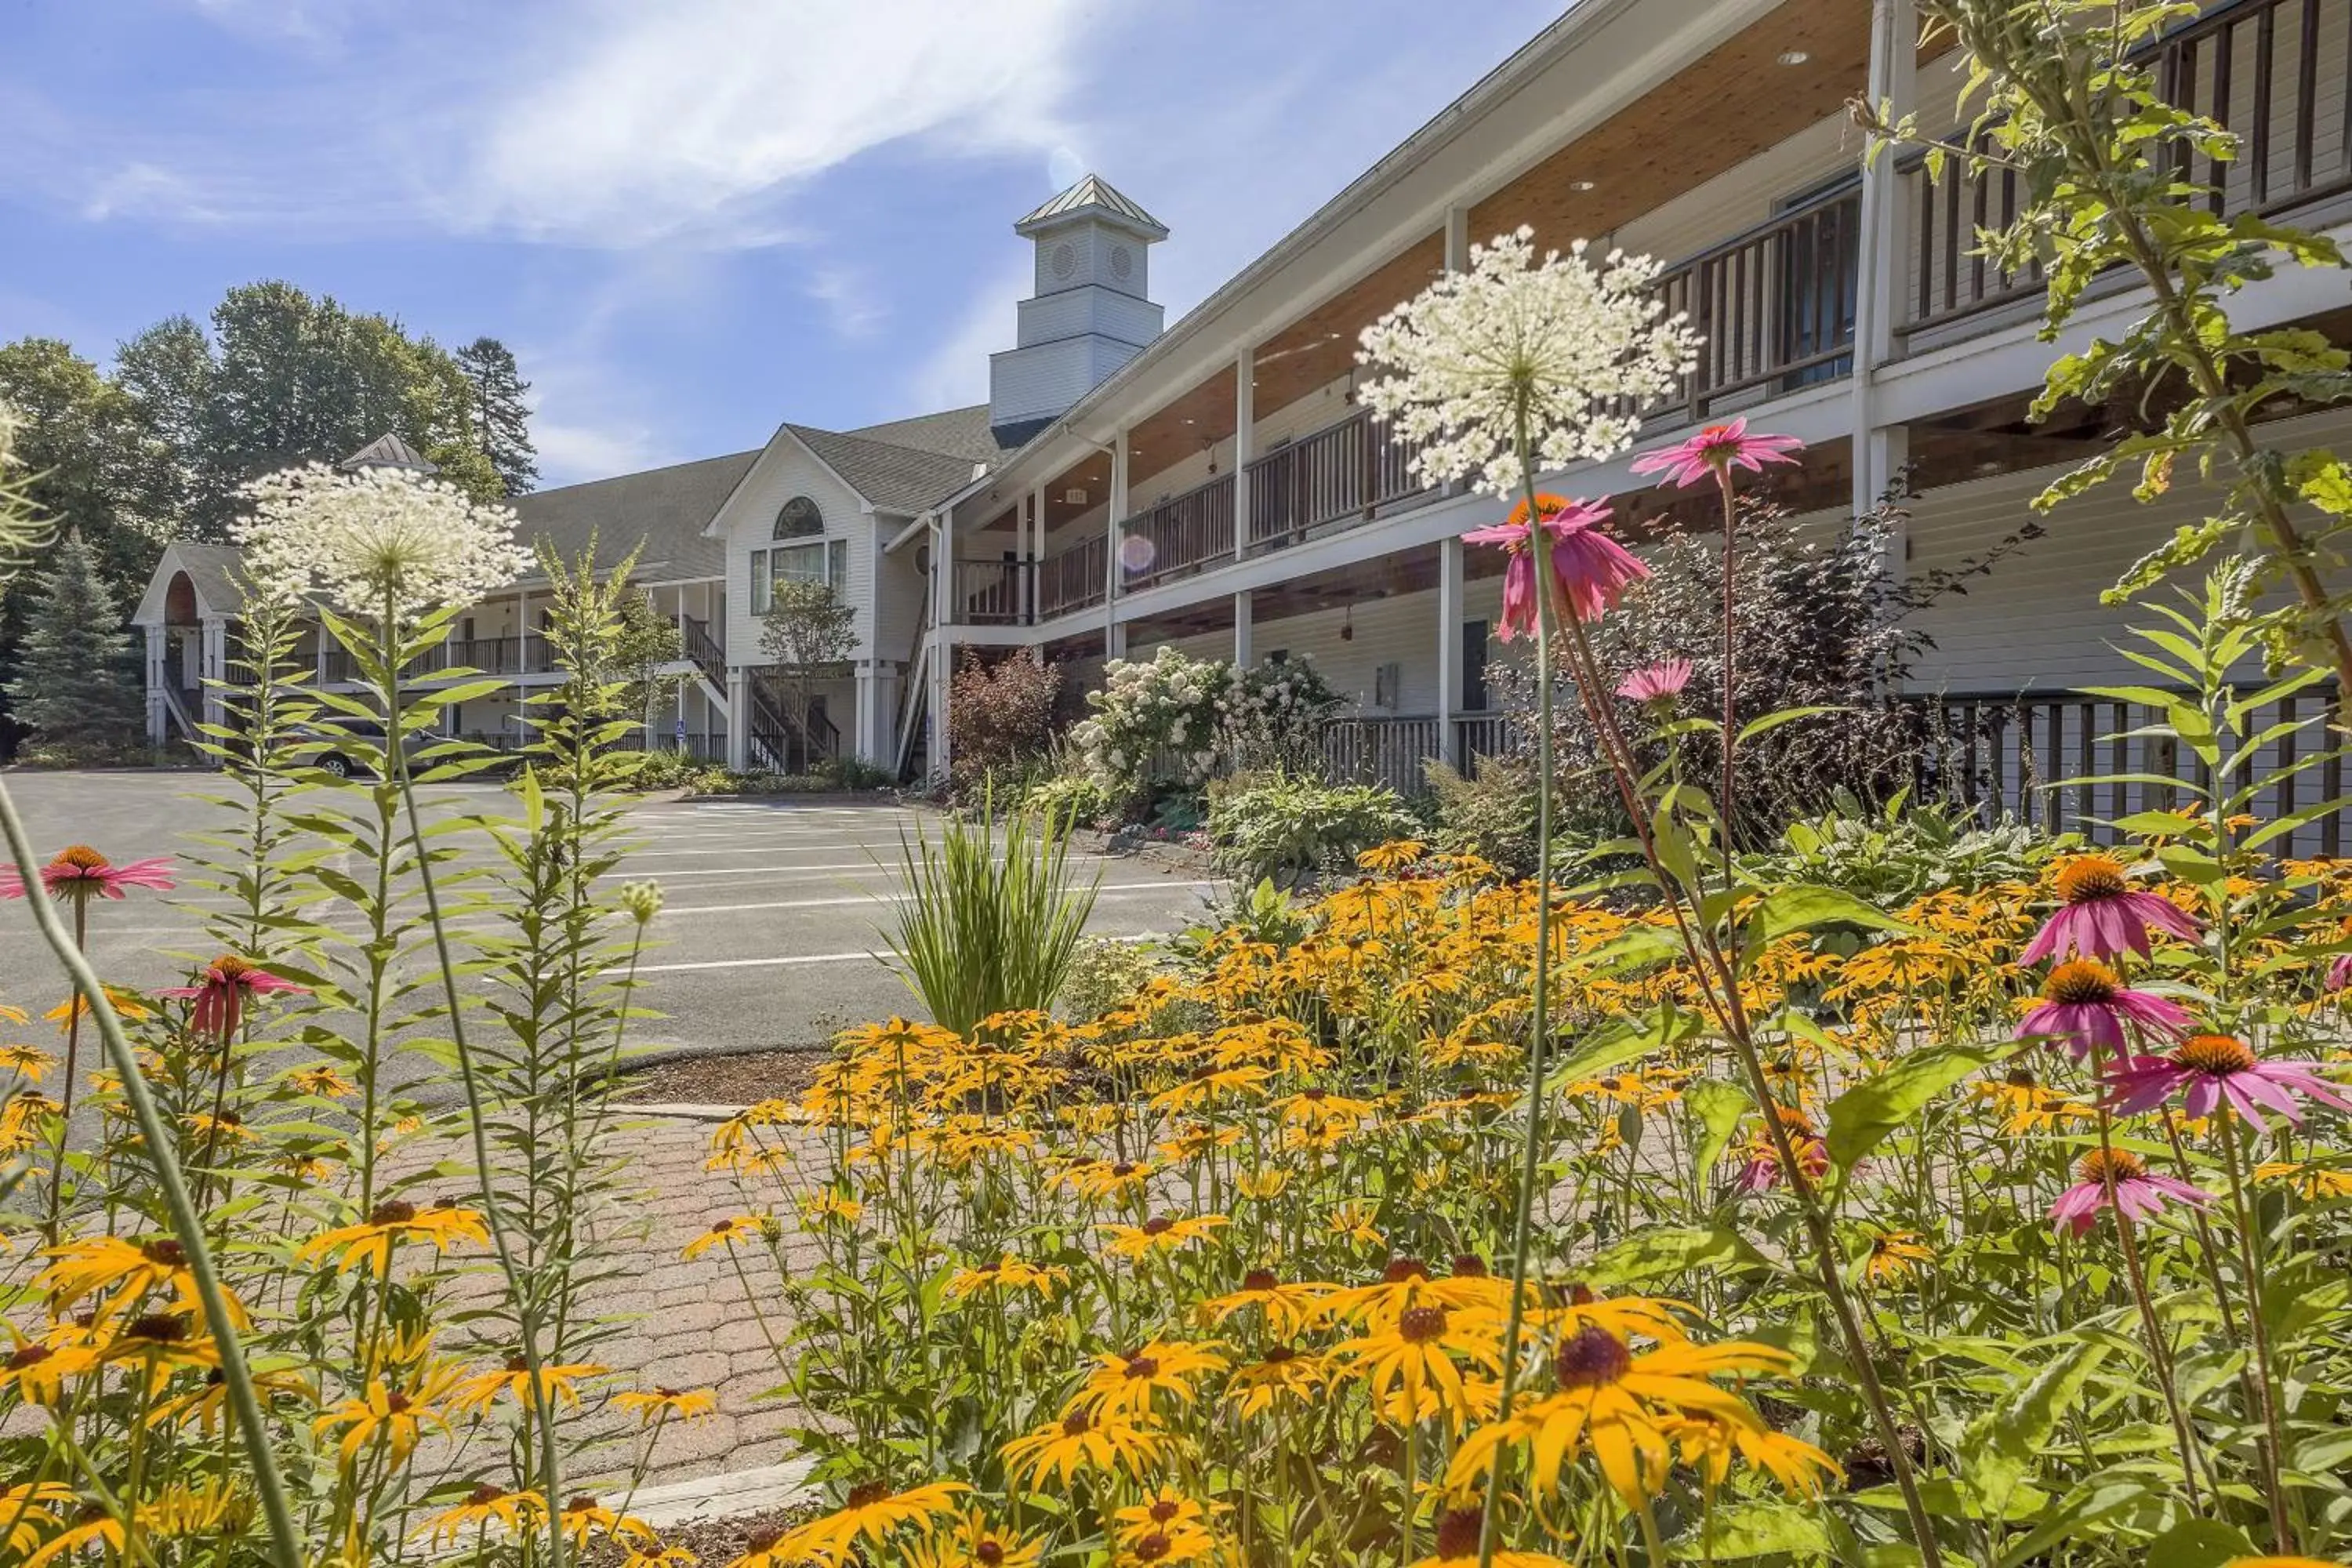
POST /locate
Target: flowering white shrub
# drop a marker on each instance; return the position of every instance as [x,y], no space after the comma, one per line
[1154,718]
[1273,715]
[1577,347]
[377,535]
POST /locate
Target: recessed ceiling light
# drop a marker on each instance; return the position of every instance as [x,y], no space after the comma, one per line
[1581,185]
[1794,56]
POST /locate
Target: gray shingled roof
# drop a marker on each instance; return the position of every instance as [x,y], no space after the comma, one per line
[667,508]
[956,432]
[388,452]
[213,569]
[894,478]
[1094,191]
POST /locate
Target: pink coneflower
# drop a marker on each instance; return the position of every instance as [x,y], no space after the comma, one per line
[2340,973]
[220,996]
[1763,1167]
[79,871]
[2120,1179]
[2103,917]
[2084,1004]
[2211,1071]
[1660,682]
[1714,452]
[1590,570]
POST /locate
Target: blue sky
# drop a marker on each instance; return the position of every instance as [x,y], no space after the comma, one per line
[689,218]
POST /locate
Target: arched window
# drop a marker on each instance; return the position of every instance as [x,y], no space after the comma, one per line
[809,558]
[798,519]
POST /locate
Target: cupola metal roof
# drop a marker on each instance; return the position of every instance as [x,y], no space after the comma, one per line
[1092,195]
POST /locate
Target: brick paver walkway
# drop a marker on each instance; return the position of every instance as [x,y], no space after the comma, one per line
[687,1323]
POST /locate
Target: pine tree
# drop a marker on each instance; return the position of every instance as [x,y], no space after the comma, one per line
[74,683]
[502,419]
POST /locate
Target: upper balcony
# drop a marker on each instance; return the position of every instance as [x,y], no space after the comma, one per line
[1777,301]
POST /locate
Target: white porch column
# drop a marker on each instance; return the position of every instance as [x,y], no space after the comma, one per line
[739,721]
[942,665]
[1114,635]
[1032,551]
[1878,287]
[951,612]
[158,721]
[1457,239]
[215,667]
[1244,630]
[1449,644]
[1244,444]
[868,742]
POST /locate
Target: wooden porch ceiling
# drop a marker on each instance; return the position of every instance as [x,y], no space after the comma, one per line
[1181,430]
[1090,474]
[1733,103]
[1730,105]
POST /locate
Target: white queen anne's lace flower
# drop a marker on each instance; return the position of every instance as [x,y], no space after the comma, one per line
[1579,347]
[378,534]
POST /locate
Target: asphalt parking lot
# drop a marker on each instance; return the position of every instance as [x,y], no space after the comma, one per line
[768,935]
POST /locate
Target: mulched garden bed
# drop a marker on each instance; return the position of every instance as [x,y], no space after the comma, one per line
[712,1540]
[739,1079]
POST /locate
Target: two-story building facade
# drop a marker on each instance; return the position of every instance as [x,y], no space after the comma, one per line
[1217,485]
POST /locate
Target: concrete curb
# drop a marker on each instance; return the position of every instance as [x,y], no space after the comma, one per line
[754,1490]
[679,1113]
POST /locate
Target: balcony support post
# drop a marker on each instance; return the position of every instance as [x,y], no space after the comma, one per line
[950,610]
[739,721]
[1113,517]
[1457,238]
[158,724]
[943,649]
[1030,550]
[1878,293]
[1245,443]
[1245,629]
[1449,644]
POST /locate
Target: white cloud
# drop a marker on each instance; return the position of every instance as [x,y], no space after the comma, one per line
[849,299]
[955,372]
[688,117]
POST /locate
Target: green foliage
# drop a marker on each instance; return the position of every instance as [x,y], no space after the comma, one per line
[501,430]
[1105,973]
[1288,828]
[2107,172]
[807,634]
[1489,812]
[1078,797]
[76,680]
[993,915]
[1904,849]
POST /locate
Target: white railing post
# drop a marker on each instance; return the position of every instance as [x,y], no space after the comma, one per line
[1113,636]
[1449,644]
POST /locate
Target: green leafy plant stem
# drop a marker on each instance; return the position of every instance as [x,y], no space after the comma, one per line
[477,1112]
[284,1543]
[1540,1025]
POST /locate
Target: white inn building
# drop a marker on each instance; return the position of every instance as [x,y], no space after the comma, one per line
[1216,485]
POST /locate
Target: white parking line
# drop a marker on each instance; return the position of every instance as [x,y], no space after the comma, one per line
[755,963]
[1107,890]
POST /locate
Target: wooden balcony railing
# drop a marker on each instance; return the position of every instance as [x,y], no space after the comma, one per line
[1774,306]
[1178,536]
[703,648]
[1073,578]
[988,592]
[487,655]
[1343,473]
[2013,754]
[2277,74]
[1382,750]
